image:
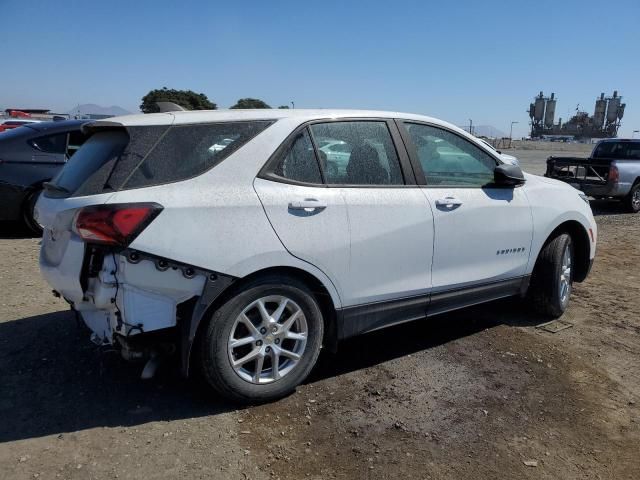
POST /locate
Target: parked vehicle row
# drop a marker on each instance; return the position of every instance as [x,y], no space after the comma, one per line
[12,123]
[30,156]
[244,241]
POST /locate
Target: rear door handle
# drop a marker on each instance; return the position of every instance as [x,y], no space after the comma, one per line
[307,204]
[448,202]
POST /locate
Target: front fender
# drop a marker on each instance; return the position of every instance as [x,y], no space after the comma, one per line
[552,205]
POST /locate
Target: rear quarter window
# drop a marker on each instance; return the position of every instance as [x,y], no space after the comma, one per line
[186,151]
[134,157]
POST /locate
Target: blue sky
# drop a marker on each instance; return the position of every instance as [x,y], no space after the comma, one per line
[455,60]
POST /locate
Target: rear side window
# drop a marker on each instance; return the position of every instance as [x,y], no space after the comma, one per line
[357,153]
[120,159]
[299,163]
[51,143]
[189,150]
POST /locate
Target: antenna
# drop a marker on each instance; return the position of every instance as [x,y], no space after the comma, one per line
[170,107]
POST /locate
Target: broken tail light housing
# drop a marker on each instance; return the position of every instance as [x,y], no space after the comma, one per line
[116,224]
[614,175]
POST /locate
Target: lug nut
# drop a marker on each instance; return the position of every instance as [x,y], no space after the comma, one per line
[268,349]
[259,343]
[188,272]
[274,329]
[263,330]
[162,265]
[277,341]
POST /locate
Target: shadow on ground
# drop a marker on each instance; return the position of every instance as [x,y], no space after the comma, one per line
[607,207]
[15,230]
[55,381]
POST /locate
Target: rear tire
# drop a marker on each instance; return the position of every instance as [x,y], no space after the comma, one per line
[273,324]
[552,280]
[28,211]
[632,201]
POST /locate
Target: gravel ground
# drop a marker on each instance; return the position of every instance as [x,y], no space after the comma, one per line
[481,393]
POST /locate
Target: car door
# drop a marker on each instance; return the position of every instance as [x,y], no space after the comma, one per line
[310,219]
[391,224]
[366,227]
[483,233]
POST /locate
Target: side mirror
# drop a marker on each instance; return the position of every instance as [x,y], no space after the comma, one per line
[506,175]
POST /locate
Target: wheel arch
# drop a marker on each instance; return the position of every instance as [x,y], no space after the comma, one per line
[320,292]
[581,243]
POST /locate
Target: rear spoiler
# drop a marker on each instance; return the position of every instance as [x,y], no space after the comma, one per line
[89,128]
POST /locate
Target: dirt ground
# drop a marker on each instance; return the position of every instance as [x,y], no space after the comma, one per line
[482,393]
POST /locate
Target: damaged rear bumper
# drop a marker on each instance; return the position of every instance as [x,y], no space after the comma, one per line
[140,303]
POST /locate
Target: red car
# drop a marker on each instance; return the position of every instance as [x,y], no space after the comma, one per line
[14,123]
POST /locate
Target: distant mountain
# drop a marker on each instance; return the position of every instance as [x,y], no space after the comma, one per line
[92,108]
[485,131]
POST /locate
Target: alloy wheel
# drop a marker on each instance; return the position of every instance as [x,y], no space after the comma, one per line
[267,339]
[635,199]
[565,275]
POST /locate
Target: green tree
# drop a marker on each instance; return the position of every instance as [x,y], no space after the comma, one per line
[185,98]
[250,103]
[284,106]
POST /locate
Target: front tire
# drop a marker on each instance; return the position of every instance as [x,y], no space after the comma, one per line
[262,343]
[632,200]
[552,280]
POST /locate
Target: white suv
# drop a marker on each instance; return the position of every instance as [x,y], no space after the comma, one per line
[230,239]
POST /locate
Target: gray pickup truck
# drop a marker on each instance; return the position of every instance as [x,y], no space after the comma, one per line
[612,171]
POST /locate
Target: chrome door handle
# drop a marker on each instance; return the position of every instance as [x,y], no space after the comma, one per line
[448,202]
[307,204]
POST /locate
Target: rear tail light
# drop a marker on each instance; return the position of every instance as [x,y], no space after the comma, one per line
[116,224]
[614,175]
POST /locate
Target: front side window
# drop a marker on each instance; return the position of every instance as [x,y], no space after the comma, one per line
[299,162]
[449,160]
[357,153]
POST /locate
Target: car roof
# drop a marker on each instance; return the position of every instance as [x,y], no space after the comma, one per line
[203,116]
[18,119]
[57,125]
[228,115]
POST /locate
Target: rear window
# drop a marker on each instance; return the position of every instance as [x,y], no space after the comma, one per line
[621,150]
[102,149]
[137,157]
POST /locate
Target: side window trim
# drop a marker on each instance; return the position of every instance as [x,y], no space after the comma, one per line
[267,172]
[413,153]
[406,167]
[316,154]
